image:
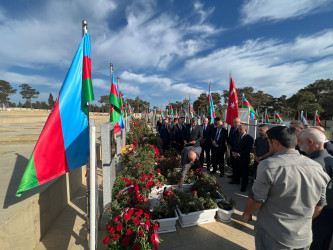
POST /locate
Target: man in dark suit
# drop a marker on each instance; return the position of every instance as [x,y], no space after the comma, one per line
[241,149]
[159,124]
[164,136]
[231,141]
[193,134]
[218,137]
[178,133]
[205,142]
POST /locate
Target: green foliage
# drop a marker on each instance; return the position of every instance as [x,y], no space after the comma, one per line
[5,91]
[51,101]
[191,202]
[227,205]
[206,186]
[28,93]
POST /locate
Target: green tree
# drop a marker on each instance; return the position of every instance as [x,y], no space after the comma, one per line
[50,101]
[104,100]
[28,93]
[5,91]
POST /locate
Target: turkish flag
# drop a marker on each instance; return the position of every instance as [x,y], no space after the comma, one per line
[232,111]
[318,120]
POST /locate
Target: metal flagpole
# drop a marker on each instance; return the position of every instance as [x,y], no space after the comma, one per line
[315,118]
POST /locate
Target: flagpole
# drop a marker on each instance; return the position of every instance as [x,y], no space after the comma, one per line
[274,116]
[242,101]
[315,118]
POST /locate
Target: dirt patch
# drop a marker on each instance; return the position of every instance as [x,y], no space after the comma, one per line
[5,152]
[20,139]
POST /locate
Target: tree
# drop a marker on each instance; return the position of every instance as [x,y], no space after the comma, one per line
[104,100]
[28,93]
[51,101]
[5,91]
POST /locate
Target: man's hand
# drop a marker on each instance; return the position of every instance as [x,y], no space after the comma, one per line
[193,142]
[246,217]
[185,142]
[257,159]
[235,155]
[214,144]
[180,184]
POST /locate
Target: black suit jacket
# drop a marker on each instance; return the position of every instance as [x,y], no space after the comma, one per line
[329,147]
[206,134]
[232,135]
[244,147]
[196,135]
[221,140]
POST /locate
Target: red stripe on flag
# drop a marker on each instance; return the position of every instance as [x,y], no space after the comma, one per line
[114,89]
[86,68]
[49,154]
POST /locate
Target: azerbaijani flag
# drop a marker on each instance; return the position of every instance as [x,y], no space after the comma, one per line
[115,110]
[191,109]
[267,118]
[171,111]
[304,120]
[318,120]
[247,104]
[185,112]
[151,113]
[121,119]
[211,107]
[162,113]
[63,144]
[277,116]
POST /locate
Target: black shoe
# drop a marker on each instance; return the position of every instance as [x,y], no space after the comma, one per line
[230,176]
[221,175]
[213,172]
[233,182]
[243,189]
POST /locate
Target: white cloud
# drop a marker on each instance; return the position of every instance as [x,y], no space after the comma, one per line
[151,39]
[272,66]
[254,11]
[163,88]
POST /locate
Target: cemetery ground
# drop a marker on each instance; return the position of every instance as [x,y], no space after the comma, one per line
[19,133]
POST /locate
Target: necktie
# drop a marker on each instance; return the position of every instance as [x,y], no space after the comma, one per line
[205,128]
[217,135]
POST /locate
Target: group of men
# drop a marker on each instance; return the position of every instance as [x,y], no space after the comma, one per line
[292,189]
[293,168]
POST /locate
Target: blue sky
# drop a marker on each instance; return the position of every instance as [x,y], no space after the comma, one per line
[163,50]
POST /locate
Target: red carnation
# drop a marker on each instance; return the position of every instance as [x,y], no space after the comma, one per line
[116,237]
[129,232]
[195,192]
[156,227]
[140,234]
[147,187]
[112,230]
[217,184]
[120,227]
[148,223]
[150,176]
[147,216]
[158,171]
[136,221]
[106,240]
[127,217]
[125,242]
[108,227]
[130,212]
[151,183]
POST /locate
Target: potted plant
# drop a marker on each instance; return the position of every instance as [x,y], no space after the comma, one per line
[165,212]
[225,210]
[194,210]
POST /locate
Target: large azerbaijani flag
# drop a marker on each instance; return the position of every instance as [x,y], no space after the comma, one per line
[247,104]
[211,107]
[191,109]
[63,144]
[171,111]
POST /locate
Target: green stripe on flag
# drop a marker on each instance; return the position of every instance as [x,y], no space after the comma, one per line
[87,94]
[29,179]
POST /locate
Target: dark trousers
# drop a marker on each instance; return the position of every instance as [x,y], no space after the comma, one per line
[205,150]
[218,159]
[241,169]
[322,229]
[165,146]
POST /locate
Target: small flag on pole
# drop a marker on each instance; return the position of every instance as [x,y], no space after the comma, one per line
[277,116]
[318,120]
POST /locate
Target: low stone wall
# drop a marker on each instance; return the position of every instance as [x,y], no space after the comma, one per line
[25,229]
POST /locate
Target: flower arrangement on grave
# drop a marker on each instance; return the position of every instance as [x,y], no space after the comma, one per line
[139,131]
[132,229]
[191,202]
[167,206]
[205,185]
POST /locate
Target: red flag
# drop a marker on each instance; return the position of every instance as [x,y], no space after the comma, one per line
[232,111]
[318,120]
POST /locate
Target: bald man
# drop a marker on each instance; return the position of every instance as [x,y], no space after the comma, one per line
[327,144]
[190,160]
